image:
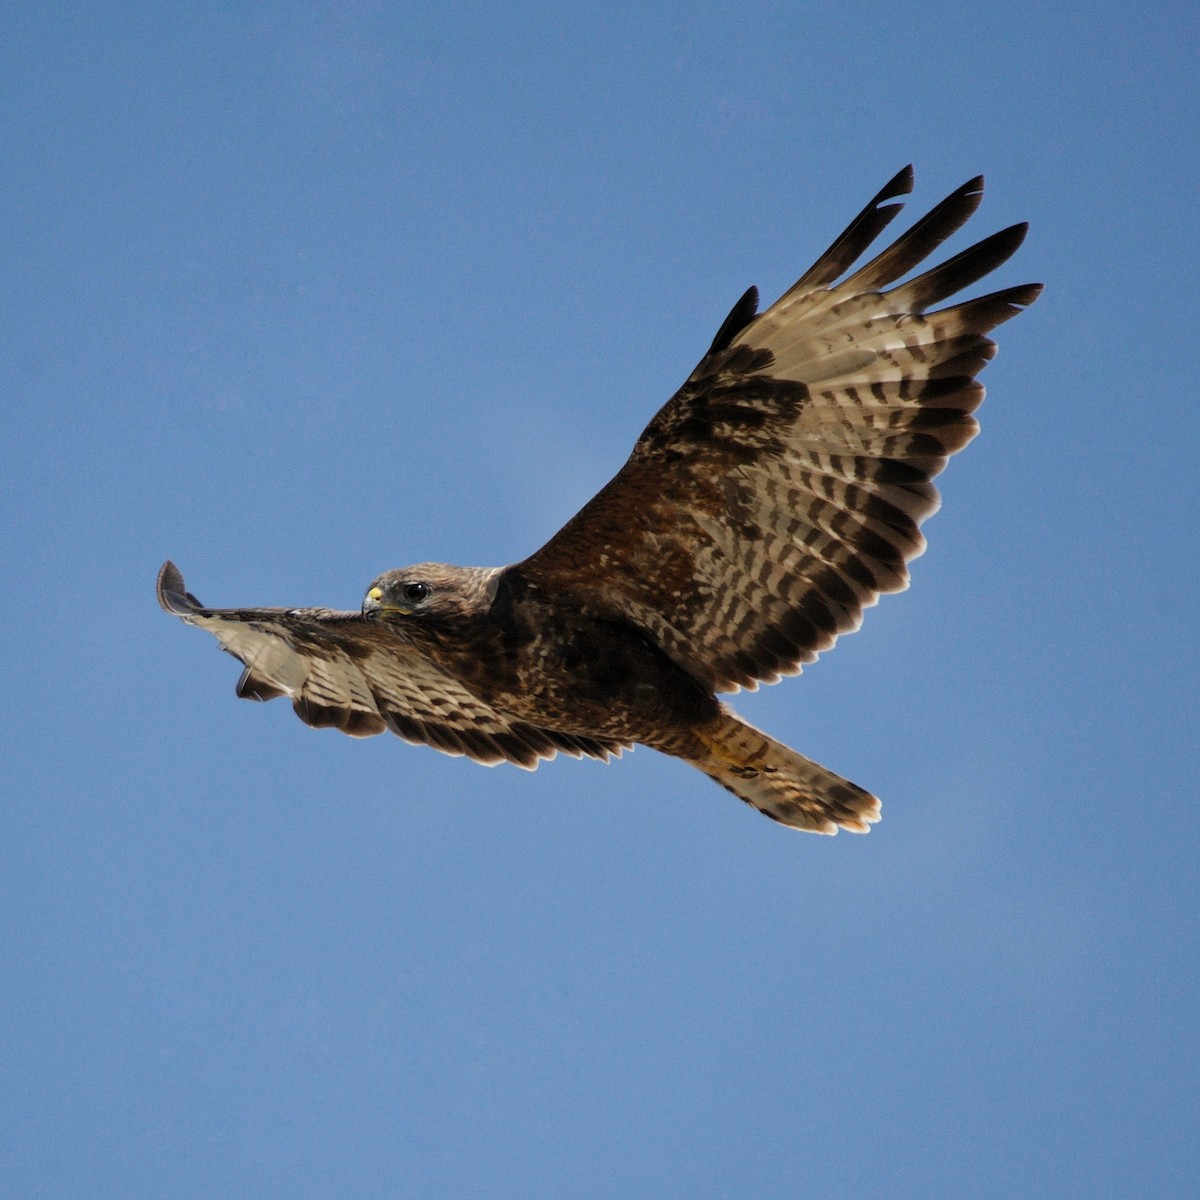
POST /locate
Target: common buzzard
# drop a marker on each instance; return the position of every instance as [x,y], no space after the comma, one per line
[774,497]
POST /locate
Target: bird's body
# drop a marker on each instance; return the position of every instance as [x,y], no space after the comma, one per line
[541,661]
[776,495]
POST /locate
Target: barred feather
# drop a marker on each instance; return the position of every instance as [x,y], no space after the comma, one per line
[782,489]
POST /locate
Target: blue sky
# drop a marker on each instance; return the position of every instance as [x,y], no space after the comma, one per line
[296,293]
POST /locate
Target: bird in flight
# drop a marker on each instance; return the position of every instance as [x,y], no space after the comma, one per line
[775,496]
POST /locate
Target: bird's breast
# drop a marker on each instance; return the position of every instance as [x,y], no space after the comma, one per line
[566,670]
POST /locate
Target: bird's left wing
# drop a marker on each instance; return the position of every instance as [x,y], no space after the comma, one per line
[362,677]
[781,490]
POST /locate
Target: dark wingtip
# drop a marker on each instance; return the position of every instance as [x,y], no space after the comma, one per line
[742,313]
[1017,232]
[173,595]
[900,184]
[859,234]
[964,269]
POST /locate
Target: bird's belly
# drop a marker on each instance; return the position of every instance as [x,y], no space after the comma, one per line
[601,679]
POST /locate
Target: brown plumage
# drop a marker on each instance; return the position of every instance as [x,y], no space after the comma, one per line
[772,499]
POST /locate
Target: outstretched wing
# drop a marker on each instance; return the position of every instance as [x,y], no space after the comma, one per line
[363,677]
[781,490]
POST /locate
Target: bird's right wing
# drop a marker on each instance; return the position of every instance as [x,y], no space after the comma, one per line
[362,677]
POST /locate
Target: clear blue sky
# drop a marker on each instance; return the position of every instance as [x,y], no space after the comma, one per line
[293,293]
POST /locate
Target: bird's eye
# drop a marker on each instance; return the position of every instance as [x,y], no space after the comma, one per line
[415,592]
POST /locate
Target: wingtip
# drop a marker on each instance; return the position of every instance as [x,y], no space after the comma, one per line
[742,313]
[895,189]
[172,592]
[880,211]
[900,184]
[1017,231]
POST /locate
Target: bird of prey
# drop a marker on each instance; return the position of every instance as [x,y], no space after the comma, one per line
[775,496]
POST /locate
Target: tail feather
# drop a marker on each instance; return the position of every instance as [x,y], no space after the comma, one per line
[779,782]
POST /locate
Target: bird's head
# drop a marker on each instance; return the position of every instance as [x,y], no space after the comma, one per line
[430,592]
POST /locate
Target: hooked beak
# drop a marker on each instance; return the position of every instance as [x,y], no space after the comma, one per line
[372,602]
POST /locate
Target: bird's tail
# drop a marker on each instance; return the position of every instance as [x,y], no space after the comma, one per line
[781,784]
